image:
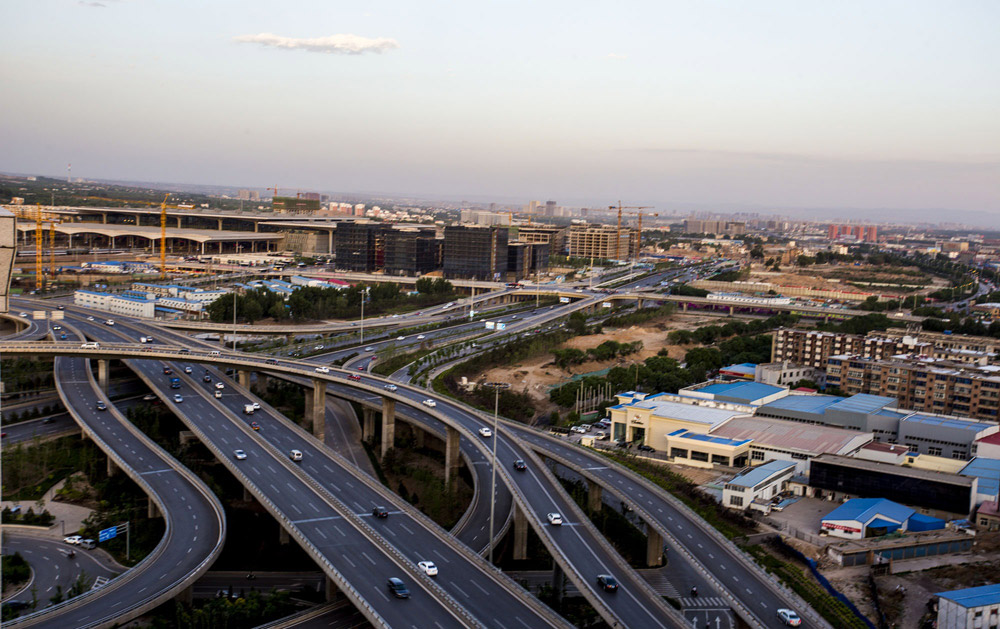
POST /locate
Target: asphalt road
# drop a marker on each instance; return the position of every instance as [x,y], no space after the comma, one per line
[51,565]
[336,538]
[194,520]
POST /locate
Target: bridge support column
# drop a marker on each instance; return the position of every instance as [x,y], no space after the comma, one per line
[654,548]
[152,511]
[638,304]
[593,497]
[418,436]
[731,310]
[185,437]
[289,339]
[244,378]
[283,538]
[112,467]
[332,592]
[520,534]
[558,581]
[247,496]
[368,427]
[451,451]
[684,307]
[826,318]
[102,374]
[388,424]
[185,596]
[318,416]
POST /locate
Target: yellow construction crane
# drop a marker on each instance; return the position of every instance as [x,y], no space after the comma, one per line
[39,234]
[618,234]
[163,236]
[638,236]
[52,248]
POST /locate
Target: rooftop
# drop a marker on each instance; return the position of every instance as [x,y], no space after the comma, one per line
[756,475]
[974,597]
[684,412]
[954,423]
[864,403]
[743,392]
[803,403]
[865,509]
[697,436]
[789,435]
[988,473]
[888,468]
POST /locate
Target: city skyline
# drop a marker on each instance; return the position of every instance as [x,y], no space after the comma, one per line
[782,106]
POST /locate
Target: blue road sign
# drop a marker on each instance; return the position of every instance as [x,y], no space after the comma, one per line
[107,534]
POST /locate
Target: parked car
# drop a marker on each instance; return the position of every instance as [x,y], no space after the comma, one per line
[579,429]
[645,448]
[73,539]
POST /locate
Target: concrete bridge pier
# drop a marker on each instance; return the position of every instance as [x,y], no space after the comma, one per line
[520,534]
[152,511]
[418,436]
[451,452]
[112,467]
[654,548]
[283,537]
[318,411]
[684,307]
[331,592]
[185,596]
[388,424]
[368,427]
[593,497]
[102,374]
[244,378]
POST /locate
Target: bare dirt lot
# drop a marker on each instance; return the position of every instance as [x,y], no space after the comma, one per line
[540,374]
[841,276]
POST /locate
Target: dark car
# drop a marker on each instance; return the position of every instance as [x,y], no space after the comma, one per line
[270,361]
[520,465]
[207,378]
[184,350]
[380,512]
[645,448]
[167,371]
[621,443]
[398,588]
[607,583]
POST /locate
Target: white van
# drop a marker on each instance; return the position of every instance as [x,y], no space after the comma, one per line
[91,346]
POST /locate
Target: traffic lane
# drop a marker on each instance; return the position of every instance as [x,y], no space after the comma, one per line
[336,539]
[579,543]
[474,534]
[51,565]
[745,585]
[47,427]
[458,576]
[193,532]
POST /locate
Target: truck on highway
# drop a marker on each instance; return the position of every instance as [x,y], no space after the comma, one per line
[248,409]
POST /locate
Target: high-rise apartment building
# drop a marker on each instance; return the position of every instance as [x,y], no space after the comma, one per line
[601,242]
[475,252]
[410,251]
[812,348]
[719,227]
[860,233]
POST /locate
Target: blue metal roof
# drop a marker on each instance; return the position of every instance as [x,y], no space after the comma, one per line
[949,422]
[741,391]
[804,403]
[747,368]
[755,476]
[697,436]
[867,509]
[974,597]
[879,523]
[864,403]
[988,473]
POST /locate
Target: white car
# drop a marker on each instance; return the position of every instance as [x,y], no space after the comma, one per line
[178,398]
[789,617]
[554,519]
[322,370]
[25,314]
[187,370]
[369,349]
[400,338]
[390,387]
[430,403]
[579,429]
[428,567]
[421,337]
[485,432]
[239,455]
[220,386]
[73,539]
[256,406]
[109,322]
[90,318]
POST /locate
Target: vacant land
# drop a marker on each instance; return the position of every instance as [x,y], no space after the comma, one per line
[842,276]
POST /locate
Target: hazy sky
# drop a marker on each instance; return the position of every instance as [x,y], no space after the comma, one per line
[784,103]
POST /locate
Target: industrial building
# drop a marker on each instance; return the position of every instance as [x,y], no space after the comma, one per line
[971,608]
[475,252]
[874,517]
[756,486]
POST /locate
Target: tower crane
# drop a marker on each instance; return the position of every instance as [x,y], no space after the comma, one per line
[638,236]
[618,234]
[163,236]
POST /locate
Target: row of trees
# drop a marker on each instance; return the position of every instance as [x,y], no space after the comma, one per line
[607,350]
[708,334]
[311,303]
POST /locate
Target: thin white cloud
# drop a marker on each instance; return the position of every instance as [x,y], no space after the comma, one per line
[615,55]
[341,44]
[91,4]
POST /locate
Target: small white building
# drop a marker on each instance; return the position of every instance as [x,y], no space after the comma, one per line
[117,304]
[874,517]
[972,608]
[787,374]
[757,485]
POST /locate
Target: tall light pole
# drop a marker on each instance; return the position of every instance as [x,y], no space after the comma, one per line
[234,319]
[364,294]
[497,386]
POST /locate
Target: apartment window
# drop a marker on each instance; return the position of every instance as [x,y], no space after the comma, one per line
[736,501]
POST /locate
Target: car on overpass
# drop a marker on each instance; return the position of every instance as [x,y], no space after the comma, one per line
[789,618]
[485,432]
[398,588]
[607,583]
[428,567]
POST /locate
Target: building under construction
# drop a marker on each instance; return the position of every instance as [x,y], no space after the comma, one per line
[475,252]
[601,242]
[296,205]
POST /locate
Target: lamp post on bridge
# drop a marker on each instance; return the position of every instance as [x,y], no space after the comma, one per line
[496,386]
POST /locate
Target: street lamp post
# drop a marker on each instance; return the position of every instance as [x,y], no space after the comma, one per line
[496,386]
[364,294]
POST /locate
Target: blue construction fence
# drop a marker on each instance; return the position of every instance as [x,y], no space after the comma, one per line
[834,592]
